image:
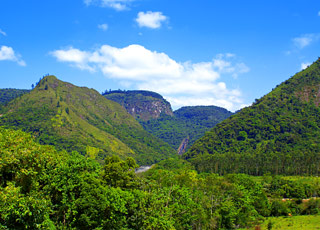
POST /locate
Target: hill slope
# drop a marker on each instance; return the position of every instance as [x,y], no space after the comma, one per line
[279,133]
[78,118]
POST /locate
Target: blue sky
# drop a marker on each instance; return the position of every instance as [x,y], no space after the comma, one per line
[204,52]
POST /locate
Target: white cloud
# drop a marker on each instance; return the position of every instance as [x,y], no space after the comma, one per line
[305,40]
[103,27]
[78,58]
[305,65]
[181,83]
[223,64]
[8,54]
[319,13]
[150,19]
[115,4]
[3,33]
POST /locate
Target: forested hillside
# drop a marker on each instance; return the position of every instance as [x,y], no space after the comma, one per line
[78,118]
[279,133]
[188,122]
[154,113]
[7,95]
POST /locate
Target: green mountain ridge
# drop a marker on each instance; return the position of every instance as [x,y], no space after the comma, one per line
[154,113]
[78,118]
[278,134]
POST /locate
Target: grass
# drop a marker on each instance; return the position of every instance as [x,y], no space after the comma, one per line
[310,222]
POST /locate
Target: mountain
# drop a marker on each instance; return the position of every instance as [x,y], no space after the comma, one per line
[142,105]
[78,118]
[7,95]
[187,125]
[278,134]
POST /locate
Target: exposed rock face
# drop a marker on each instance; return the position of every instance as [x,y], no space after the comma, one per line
[141,104]
[183,146]
[310,93]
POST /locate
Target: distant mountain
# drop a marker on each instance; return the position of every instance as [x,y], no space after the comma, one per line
[7,95]
[78,118]
[188,124]
[142,105]
[278,134]
[180,128]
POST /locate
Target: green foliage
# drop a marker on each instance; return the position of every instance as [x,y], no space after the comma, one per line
[119,173]
[21,211]
[286,188]
[44,189]
[24,169]
[278,134]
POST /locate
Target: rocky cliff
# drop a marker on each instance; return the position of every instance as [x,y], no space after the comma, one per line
[142,105]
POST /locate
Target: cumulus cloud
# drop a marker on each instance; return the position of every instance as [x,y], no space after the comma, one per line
[181,83]
[115,4]
[305,65]
[8,54]
[79,59]
[150,19]
[103,27]
[305,40]
[3,33]
[223,64]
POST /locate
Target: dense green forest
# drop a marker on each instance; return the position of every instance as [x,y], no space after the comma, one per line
[278,134]
[41,188]
[7,95]
[188,122]
[77,118]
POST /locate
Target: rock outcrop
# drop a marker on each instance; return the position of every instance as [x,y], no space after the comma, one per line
[142,105]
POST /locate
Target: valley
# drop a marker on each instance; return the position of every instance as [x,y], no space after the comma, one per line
[159,115]
[69,157]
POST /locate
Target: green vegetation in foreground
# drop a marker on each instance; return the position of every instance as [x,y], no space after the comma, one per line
[41,188]
[278,134]
[80,119]
[311,222]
